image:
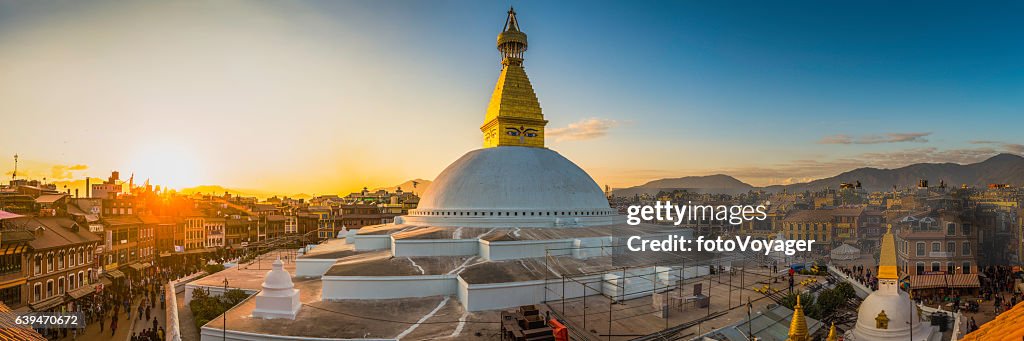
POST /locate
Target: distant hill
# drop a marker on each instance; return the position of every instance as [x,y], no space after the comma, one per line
[1002,168]
[718,183]
[421,185]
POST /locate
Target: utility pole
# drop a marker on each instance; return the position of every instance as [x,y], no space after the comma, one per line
[225,316]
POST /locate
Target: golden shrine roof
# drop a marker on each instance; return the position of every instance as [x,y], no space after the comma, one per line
[1006,327]
[513,96]
[798,325]
[887,257]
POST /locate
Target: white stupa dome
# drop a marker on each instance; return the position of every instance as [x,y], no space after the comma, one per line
[277,278]
[898,309]
[513,186]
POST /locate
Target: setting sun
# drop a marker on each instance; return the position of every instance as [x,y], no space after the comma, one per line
[170,165]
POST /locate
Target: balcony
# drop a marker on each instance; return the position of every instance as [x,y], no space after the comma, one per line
[939,254]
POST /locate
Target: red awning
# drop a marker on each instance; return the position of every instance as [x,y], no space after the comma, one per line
[8,215]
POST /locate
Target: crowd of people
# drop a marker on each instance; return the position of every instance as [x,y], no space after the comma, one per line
[138,295]
[860,274]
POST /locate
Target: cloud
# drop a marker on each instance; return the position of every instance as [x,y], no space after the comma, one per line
[875,139]
[586,129]
[58,172]
[1016,148]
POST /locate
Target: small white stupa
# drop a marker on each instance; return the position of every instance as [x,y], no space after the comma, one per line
[279,298]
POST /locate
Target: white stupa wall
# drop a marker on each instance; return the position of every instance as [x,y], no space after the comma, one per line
[387,287]
[434,247]
[592,247]
[491,296]
[313,267]
[518,249]
[369,242]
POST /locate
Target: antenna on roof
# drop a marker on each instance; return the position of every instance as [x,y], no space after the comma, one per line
[14,176]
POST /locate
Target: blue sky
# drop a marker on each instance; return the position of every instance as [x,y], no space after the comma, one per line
[770,92]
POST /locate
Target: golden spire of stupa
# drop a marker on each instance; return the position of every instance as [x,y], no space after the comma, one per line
[798,326]
[887,256]
[832,335]
[513,117]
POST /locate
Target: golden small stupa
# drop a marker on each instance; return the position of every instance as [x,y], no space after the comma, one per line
[798,326]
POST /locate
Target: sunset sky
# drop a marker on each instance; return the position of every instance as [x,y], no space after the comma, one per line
[330,96]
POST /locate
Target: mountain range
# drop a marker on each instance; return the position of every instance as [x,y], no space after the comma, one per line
[1002,168]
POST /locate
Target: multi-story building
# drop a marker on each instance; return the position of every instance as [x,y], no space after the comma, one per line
[810,224]
[215,233]
[129,242]
[275,225]
[165,231]
[847,223]
[238,229]
[60,267]
[108,189]
[195,232]
[938,250]
[291,224]
[14,241]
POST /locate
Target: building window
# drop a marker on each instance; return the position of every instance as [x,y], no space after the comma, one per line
[966,228]
[49,262]
[38,265]
[37,292]
[11,296]
[920,248]
[60,260]
[951,248]
[935,247]
[967,267]
[920,268]
[49,288]
[966,248]
[10,263]
[950,229]
[949,268]
[935,267]
[81,278]
[60,286]
[71,282]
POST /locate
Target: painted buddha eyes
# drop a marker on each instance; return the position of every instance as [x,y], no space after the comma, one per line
[527,132]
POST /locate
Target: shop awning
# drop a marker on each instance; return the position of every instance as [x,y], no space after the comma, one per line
[927,281]
[964,281]
[115,274]
[944,281]
[47,304]
[138,266]
[82,291]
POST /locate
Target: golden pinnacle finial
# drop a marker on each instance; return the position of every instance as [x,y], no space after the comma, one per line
[512,41]
[514,116]
[832,335]
[798,325]
[887,256]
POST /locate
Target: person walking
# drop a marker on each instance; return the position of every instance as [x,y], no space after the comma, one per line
[113,326]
